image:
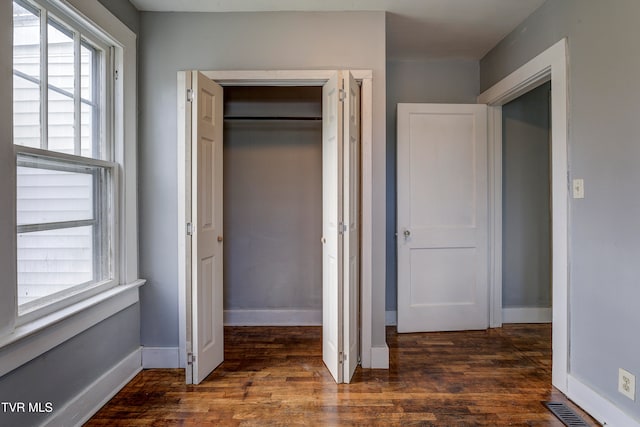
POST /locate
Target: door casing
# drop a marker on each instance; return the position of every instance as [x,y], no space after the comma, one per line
[550,65]
[278,78]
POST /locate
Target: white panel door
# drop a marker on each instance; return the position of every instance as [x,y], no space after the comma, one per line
[442,217]
[351,199]
[332,207]
[206,296]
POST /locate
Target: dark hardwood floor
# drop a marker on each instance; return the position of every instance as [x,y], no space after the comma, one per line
[275,376]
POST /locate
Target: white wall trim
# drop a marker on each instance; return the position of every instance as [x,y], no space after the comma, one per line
[550,64]
[270,78]
[32,339]
[161,357]
[494,149]
[279,77]
[391,318]
[603,410]
[183,156]
[380,357]
[527,315]
[366,226]
[273,317]
[86,403]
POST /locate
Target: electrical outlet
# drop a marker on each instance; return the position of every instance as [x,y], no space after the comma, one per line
[627,384]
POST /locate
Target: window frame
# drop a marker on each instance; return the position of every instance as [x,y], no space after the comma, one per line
[75,293]
[87,35]
[49,15]
[22,340]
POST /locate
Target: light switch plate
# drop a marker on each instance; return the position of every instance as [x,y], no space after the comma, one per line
[578,188]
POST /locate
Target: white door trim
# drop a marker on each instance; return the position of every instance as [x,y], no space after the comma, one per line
[271,78]
[549,65]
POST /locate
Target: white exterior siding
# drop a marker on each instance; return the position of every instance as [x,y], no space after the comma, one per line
[52,260]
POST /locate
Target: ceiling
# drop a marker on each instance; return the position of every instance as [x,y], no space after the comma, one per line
[416,29]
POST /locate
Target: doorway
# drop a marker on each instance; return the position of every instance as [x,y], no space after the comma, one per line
[341,330]
[526,208]
[550,65]
[272,192]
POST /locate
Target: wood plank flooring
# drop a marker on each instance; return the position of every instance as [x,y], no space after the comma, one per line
[275,376]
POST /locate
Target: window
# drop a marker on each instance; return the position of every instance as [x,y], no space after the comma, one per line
[65,169]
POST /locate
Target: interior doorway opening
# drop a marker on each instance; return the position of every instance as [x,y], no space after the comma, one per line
[550,65]
[526,208]
[272,192]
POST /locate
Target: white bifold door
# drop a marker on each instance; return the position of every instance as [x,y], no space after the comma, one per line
[202,109]
[206,261]
[442,217]
[340,225]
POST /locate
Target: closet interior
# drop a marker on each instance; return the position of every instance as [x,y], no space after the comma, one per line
[272,202]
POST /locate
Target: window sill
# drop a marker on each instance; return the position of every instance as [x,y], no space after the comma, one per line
[34,338]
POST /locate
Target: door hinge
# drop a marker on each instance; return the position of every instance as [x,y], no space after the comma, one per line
[189,229]
[342,95]
[341,357]
[342,228]
[189,95]
[190,358]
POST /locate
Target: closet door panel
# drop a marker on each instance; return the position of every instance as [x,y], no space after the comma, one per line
[351,193]
[206,164]
[332,116]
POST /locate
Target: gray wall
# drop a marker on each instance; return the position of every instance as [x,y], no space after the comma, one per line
[526,219]
[60,374]
[64,371]
[434,81]
[604,239]
[177,41]
[125,12]
[273,199]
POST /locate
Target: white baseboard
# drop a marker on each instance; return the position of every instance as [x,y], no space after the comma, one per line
[527,315]
[273,317]
[600,408]
[391,318]
[97,394]
[509,315]
[160,357]
[380,357]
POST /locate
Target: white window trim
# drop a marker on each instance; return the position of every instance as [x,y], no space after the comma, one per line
[125,123]
[53,329]
[39,335]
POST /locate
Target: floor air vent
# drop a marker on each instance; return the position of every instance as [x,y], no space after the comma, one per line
[565,414]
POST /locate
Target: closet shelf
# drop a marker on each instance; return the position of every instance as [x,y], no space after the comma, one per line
[272,118]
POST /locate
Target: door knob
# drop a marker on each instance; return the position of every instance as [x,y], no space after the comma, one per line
[219,238]
[407,234]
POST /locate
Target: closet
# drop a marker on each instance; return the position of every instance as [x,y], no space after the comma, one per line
[272,198]
[269,190]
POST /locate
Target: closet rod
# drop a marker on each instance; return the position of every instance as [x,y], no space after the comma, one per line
[263,118]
